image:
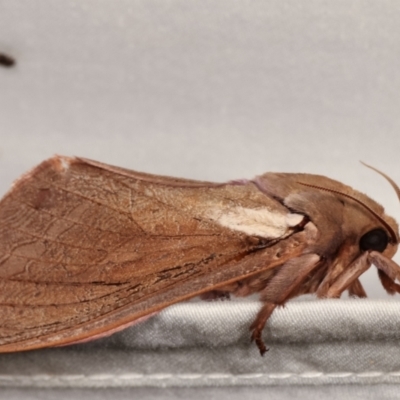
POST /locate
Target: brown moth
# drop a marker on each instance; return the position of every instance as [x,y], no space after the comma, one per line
[87,249]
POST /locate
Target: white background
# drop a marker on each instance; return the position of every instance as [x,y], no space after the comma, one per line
[211,90]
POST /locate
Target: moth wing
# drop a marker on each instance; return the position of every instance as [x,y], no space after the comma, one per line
[143,176]
[86,247]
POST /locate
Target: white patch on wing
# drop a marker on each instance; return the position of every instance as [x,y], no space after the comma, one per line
[256,222]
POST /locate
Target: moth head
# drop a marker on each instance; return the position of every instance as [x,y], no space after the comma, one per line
[375,230]
[353,230]
[347,220]
[377,245]
[379,234]
[386,238]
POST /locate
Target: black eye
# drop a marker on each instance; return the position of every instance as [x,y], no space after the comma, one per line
[377,239]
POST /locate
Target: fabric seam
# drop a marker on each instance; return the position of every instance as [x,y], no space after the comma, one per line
[192,377]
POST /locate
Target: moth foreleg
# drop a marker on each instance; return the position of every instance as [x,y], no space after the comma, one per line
[389,285]
[347,277]
[388,266]
[388,271]
[356,289]
[279,289]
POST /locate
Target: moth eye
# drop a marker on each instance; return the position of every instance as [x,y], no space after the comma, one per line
[377,239]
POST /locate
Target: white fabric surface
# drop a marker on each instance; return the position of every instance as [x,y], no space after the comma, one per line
[207,345]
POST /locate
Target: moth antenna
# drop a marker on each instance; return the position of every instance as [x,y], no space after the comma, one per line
[380,219]
[390,180]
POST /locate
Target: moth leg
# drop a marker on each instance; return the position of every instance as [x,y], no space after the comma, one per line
[388,271]
[279,289]
[388,266]
[258,325]
[389,285]
[356,289]
[348,277]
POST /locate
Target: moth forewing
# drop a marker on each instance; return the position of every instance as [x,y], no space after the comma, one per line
[87,248]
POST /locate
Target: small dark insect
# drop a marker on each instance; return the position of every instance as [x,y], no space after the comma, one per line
[87,249]
[6,61]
